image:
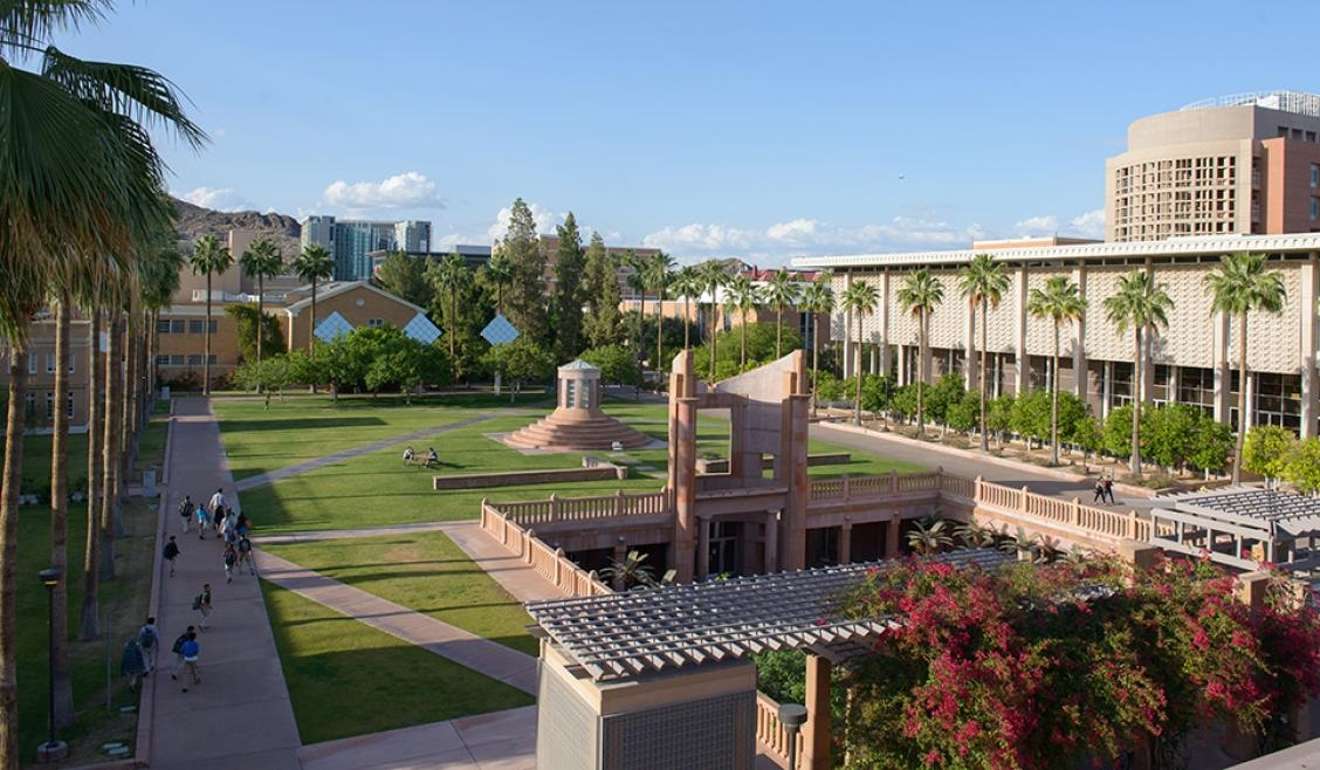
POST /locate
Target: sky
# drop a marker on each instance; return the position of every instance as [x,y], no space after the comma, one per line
[763,130]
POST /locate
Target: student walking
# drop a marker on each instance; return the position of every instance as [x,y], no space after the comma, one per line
[202,521]
[217,501]
[245,555]
[171,552]
[1099,491]
[1109,491]
[230,559]
[219,521]
[186,512]
[177,649]
[202,605]
[190,650]
[148,640]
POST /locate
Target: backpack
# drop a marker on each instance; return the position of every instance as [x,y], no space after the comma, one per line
[197,602]
[146,639]
[244,545]
[171,550]
[177,649]
[185,508]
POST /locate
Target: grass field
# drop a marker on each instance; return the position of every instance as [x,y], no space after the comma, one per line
[425,572]
[258,440]
[346,678]
[377,489]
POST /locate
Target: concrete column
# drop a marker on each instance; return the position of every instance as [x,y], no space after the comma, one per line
[620,554]
[1222,368]
[1107,390]
[1171,387]
[875,359]
[892,531]
[682,478]
[1146,377]
[970,359]
[848,327]
[883,318]
[902,365]
[1080,375]
[1310,282]
[845,543]
[818,733]
[771,542]
[703,548]
[1022,378]
[1249,419]
[793,446]
[997,361]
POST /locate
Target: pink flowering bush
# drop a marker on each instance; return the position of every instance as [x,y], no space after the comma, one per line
[1048,666]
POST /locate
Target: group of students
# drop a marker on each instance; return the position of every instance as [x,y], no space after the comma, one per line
[1104,491]
[141,652]
[229,525]
[432,457]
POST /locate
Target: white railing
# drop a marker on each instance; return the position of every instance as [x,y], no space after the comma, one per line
[771,735]
[550,563]
[558,509]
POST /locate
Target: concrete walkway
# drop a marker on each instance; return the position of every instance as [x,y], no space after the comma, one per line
[262,479]
[500,740]
[240,715]
[496,661]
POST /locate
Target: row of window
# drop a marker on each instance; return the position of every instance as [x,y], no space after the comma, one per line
[1296,133]
[50,362]
[180,326]
[30,405]
[192,359]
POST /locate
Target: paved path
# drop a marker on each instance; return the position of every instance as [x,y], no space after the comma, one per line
[463,647]
[240,716]
[262,479]
[500,740]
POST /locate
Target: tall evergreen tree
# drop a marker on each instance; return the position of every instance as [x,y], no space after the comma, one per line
[603,297]
[525,302]
[566,306]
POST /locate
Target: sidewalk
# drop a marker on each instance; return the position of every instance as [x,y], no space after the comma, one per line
[240,716]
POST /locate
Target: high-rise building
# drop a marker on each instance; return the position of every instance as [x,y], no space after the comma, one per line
[351,241]
[319,230]
[1247,164]
[412,235]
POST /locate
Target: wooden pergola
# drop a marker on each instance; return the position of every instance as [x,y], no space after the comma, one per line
[1241,527]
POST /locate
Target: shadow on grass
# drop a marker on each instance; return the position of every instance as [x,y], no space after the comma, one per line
[292,424]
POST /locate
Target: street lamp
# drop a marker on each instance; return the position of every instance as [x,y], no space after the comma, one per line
[52,750]
[792,716]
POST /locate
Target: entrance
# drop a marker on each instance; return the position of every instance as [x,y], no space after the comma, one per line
[724,539]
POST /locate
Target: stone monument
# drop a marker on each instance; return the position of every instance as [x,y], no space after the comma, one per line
[577,424]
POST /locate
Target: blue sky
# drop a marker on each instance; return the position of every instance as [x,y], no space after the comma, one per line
[763,130]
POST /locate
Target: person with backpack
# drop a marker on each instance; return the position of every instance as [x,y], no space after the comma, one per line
[202,521]
[171,552]
[245,555]
[132,666]
[202,604]
[230,559]
[190,651]
[243,525]
[148,639]
[219,520]
[217,501]
[186,512]
[177,649]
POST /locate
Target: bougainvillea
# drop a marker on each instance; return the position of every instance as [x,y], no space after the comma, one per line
[1049,666]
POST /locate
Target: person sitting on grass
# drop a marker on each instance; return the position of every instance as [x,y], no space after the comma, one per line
[408,456]
[432,459]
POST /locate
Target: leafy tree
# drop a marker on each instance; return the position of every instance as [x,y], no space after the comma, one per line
[1060,301]
[817,301]
[904,401]
[946,392]
[245,318]
[342,363]
[1031,416]
[1143,306]
[1240,285]
[658,273]
[860,299]
[1302,467]
[448,278]
[566,305]
[498,272]
[827,387]
[601,287]
[781,291]
[760,346]
[616,363]
[525,301]
[919,295]
[983,282]
[964,414]
[406,277]
[313,265]
[262,261]
[1168,433]
[743,296]
[999,417]
[1117,438]
[522,361]
[396,360]
[209,258]
[273,373]
[1211,444]
[877,392]
[1266,450]
[1086,434]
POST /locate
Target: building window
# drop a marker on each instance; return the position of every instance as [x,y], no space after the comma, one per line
[178,326]
[195,326]
[1315,209]
[1160,384]
[1278,400]
[375,323]
[68,405]
[32,362]
[176,360]
[1120,388]
[1315,175]
[50,406]
[50,361]
[162,360]
[194,359]
[1196,387]
[211,359]
[30,405]
[163,326]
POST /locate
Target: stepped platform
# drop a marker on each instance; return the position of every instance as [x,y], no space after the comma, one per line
[567,432]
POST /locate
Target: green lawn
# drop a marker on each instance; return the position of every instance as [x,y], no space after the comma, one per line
[425,572]
[258,440]
[346,678]
[376,489]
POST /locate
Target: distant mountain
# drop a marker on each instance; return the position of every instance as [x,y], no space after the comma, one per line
[195,221]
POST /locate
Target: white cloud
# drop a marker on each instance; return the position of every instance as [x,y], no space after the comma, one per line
[1090,224]
[545,219]
[410,189]
[217,198]
[793,231]
[700,238]
[1038,225]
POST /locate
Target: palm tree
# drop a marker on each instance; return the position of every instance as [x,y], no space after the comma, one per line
[781,290]
[1143,305]
[817,300]
[743,296]
[313,265]
[929,536]
[499,271]
[209,258]
[1061,300]
[920,294]
[659,274]
[983,283]
[262,261]
[81,188]
[713,276]
[687,284]
[975,535]
[637,282]
[449,276]
[860,299]
[1240,285]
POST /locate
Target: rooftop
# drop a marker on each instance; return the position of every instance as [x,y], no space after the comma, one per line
[1298,102]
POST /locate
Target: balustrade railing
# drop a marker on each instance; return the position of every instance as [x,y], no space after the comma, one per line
[550,563]
[1115,525]
[770,734]
[555,509]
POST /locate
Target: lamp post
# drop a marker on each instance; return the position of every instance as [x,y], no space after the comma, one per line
[52,750]
[792,716]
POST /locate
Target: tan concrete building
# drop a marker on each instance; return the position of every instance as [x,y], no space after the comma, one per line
[1241,164]
[1193,361]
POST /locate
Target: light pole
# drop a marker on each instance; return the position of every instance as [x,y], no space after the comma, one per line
[792,716]
[52,750]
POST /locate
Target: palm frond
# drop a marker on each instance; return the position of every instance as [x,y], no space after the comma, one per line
[26,25]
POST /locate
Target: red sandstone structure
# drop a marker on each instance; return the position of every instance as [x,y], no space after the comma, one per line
[577,424]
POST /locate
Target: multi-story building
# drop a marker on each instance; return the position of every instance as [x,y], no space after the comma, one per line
[352,241]
[412,235]
[1193,361]
[1241,164]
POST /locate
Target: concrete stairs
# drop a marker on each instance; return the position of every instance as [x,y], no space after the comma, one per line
[594,432]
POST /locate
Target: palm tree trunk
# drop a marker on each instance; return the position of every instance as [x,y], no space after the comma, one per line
[130,407]
[261,316]
[89,623]
[109,450]
[13,470]
[857,375]
[124,441]
[982,381]
[714,344]
[1135,461]
[659,328]
[1054,401]
[641,331]
[742,356]
[921,373]
[779,329]
[687,321]
[311,321]
[206,352]
[1240,441]
[59,523]
[453,320]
